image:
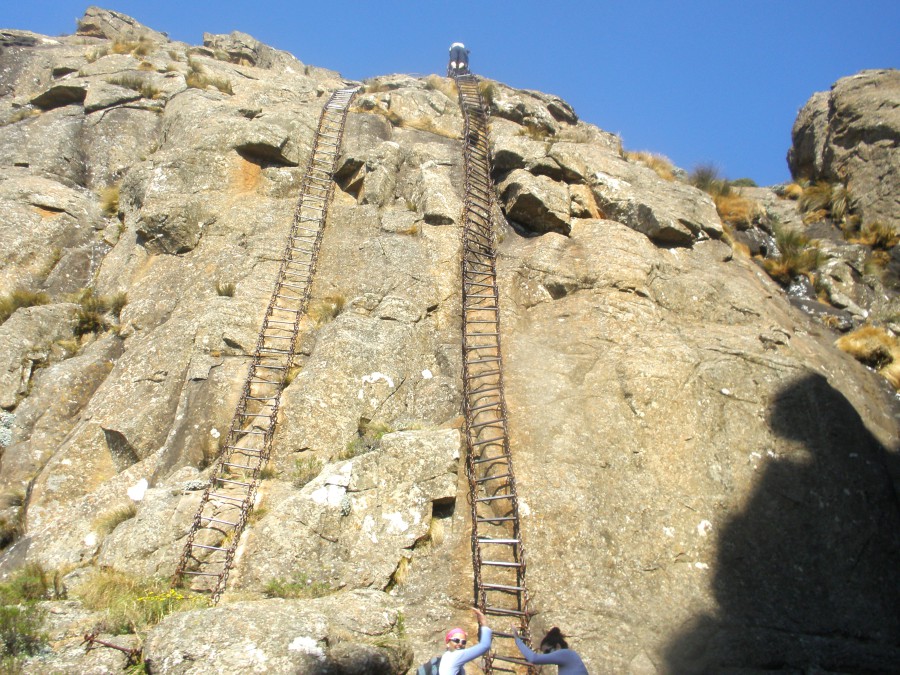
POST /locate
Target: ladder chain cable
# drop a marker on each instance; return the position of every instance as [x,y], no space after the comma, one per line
[225,504]
[498,554]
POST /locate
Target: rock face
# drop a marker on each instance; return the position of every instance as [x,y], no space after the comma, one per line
[707,484]
[852,135]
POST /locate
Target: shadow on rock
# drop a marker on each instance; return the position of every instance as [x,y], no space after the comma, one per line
[807,575]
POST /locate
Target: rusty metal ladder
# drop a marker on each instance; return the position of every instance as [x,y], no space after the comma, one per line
[498,555]
[229,497]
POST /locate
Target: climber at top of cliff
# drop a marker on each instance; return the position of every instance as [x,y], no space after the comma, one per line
[459,60]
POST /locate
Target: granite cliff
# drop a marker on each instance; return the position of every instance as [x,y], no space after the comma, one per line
[708,483]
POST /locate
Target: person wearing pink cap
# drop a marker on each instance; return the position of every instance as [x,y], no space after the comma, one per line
[457,656]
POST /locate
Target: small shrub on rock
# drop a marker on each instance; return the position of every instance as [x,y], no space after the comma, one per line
[110,520]
[225,289]
[305,469]
[300,585]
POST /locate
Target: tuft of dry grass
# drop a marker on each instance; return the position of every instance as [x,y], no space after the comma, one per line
[877,235]
[109,200]
[736,210]
[110,520]
[326,309]
[19,299]
[225,289]
[797,256]
[445,85]
[136,82]
[199,78]
[876,348]
[793,191]
[661,164]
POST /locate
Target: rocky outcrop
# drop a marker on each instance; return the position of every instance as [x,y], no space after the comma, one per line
[851,135]
[701,472]
[354,633]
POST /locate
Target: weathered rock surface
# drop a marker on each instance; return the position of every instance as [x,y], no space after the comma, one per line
[353,633]
[707,484]
[852,135]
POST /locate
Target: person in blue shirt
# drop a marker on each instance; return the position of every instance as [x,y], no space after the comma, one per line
[454,660]
[554,651]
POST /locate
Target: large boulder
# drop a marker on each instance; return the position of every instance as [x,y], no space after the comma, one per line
[851,134]
[357,633]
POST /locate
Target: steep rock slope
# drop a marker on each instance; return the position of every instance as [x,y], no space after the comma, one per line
[706,482]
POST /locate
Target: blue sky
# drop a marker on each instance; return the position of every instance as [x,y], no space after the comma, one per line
[702,81]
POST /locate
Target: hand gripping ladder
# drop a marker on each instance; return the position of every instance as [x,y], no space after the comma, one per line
[228,498]
[498,556]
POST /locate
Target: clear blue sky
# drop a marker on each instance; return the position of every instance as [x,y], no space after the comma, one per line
[699,81]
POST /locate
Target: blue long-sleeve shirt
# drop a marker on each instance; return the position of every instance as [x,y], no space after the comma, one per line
[568,661]
[453,663]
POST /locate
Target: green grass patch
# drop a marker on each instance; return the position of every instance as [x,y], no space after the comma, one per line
[132,604]
[368,438]
[300,585]
[305,469]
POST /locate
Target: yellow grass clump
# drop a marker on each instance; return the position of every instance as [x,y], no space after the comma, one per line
[661,164]
[874,347]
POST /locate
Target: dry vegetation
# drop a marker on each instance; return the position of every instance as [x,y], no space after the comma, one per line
[661,164]
[876,348]
[131,604]
[734,210]
[797,255]
[138,82]
[199,78]
[19,299]
[326,309]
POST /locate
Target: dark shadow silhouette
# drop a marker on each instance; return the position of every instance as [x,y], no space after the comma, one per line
[807,577]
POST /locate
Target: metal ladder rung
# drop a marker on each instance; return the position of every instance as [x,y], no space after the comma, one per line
[498,519]
[211,548]
[487,373]
[484,406]
[509,659]
[201,574]
[504,612]
[233,482]
[216,520]
[479,425]
[240,466]
[499,563]
[494,498]
[488,540]
[221,496]
[490,478]
[487,442]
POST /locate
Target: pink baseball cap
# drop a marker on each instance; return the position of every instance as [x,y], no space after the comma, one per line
[455,632]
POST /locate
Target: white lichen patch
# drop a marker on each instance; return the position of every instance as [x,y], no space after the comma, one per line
[376,377]
[426,374]
[396,522]
[328,495]
[704,527]
[137,491]
[307,645]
